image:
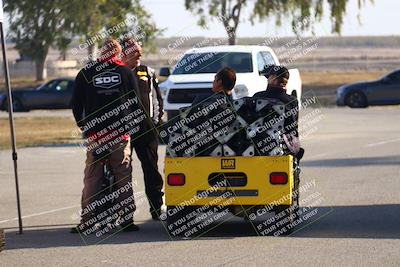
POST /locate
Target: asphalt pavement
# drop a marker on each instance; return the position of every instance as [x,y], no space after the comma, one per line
[352,161]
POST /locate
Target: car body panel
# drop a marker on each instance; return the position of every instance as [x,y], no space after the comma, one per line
[55,94]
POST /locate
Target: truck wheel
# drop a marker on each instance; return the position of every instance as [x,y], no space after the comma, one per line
[292,211]
[176,220]
[284,224]
[2,239]
[290,215]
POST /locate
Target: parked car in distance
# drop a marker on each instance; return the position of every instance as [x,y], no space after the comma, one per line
[385,91]
[194,73]
[55,94]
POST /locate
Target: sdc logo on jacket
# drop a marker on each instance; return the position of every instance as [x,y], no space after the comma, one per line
[107,79]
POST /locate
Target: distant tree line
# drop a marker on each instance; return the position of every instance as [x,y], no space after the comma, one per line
[344,41]
[37,25]
[302,14]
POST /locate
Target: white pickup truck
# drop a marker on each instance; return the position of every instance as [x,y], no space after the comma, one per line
[194,74]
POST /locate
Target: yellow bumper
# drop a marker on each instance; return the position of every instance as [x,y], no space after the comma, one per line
[256,190]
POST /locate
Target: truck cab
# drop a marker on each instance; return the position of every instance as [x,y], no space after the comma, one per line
[194,73]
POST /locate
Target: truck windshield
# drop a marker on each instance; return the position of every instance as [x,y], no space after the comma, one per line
[212,62]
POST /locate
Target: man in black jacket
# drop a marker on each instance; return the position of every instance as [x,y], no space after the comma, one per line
[278,77]
[106,108]
[146,146]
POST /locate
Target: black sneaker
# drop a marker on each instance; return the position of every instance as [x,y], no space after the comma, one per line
[155,216]
[74,230]
[130,228]
[77,229]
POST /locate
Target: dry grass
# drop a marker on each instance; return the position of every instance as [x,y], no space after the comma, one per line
[332,79]
[39,131]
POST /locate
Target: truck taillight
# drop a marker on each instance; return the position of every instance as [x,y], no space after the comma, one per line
[278,178]
[176,179]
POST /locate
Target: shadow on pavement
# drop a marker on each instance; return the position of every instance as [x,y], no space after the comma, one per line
[51,236]
[352,162]
[370,221]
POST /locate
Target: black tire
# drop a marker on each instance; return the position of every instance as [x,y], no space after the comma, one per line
[2,240]
[291,212]
[4,105]
[17,105]
[356,99]
[174,214]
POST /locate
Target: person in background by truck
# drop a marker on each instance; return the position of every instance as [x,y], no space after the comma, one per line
[223,84]
[146,146]
[278,77]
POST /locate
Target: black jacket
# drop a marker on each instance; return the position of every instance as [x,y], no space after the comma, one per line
[200,98]
[100,89]
[150,93]
[291,105]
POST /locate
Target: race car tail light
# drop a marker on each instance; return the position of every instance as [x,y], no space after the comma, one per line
[176,179]
[278,178]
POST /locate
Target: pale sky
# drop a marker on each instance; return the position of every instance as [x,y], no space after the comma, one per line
[380,18]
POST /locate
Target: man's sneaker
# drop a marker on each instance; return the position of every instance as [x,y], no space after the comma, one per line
[74,230]
[79,229]
[155,215]
[130,228]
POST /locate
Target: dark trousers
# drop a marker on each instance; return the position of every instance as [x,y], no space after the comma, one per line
[93,180]
[146,150]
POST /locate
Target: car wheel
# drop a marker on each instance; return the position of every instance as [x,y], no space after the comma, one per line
[2,239]
[17,105]
[4,105]
[356,99]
